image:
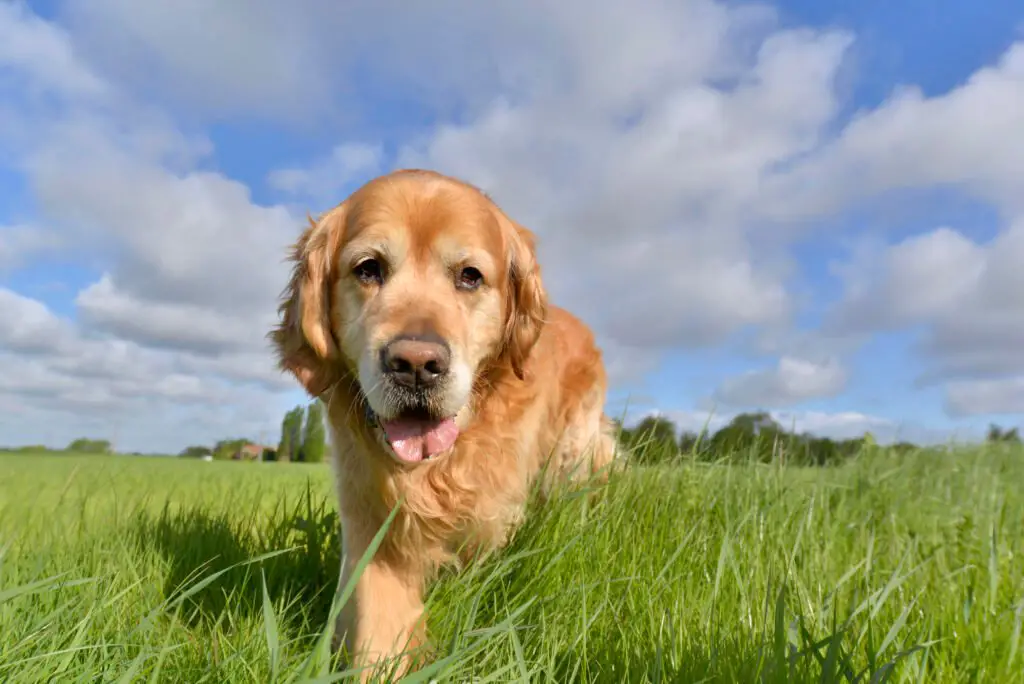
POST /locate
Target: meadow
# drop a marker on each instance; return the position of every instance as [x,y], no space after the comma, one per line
[889,567]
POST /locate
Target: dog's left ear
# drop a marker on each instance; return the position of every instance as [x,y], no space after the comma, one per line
[303,340]
[527,303]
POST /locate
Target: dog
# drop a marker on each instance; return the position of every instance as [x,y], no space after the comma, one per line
[416,313]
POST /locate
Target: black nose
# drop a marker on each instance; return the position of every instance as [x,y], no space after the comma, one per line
[416,363]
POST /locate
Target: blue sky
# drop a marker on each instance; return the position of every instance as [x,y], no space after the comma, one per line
[813,208]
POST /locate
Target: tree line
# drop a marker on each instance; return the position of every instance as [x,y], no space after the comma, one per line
[303,437]
[748,436]
[302,440]
[756,437]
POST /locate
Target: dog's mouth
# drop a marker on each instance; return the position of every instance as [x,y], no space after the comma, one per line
[415,435]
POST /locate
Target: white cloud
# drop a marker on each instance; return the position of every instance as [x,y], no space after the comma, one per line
[645,226]
[53,347]
[193,237]
[31,45]
[324,180]
[169,342]
[791,381]
[225,57]
[966,298]
[638,162]
[913,281]
[18,243]
[28,325]
[969,138]
[172,324]
[190,261]
[980,397]
[64,383]
[306,61]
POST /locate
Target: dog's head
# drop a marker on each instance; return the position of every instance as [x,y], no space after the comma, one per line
[414,286]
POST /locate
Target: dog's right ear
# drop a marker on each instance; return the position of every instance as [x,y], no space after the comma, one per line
[527,300]
[303,340]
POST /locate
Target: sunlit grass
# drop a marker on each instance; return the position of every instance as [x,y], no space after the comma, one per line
[906,569]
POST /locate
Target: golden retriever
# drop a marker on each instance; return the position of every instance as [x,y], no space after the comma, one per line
[417,314]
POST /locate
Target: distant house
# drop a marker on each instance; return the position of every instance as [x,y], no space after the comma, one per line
[250,452]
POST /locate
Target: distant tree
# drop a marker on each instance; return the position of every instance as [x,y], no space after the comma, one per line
[652,440]
[290,446]
[90,446]
[313,439]
[196,452]
[997,435]
[755,423]
[748,436]
[902,448]
[690,441]
[848,448]
[822,451]
[226,448]
[284,445]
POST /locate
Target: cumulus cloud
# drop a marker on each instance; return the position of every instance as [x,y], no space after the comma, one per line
[193,237]
[173,329]
[324,180]
[645,226]
[980,397]
[19,243]
[176,325]
[965,296]
[910,282]
[29,326]
[44,53]
[226,57]
[968,138]
[791,381]
[637,162]
[62,382]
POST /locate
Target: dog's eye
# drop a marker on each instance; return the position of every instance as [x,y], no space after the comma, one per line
[469,279]
[369,271]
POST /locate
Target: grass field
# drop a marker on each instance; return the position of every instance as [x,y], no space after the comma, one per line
[904,569]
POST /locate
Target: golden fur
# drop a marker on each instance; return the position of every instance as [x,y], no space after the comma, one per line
[527,390]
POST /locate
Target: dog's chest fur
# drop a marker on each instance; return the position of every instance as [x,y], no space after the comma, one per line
[464,501]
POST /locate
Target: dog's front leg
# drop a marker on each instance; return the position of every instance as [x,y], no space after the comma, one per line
[382,622]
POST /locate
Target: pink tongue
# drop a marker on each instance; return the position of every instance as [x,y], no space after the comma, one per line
[414,440]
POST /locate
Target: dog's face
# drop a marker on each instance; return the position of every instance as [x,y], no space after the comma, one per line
[415,285]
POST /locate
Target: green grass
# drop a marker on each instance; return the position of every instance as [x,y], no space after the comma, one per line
[903,569]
